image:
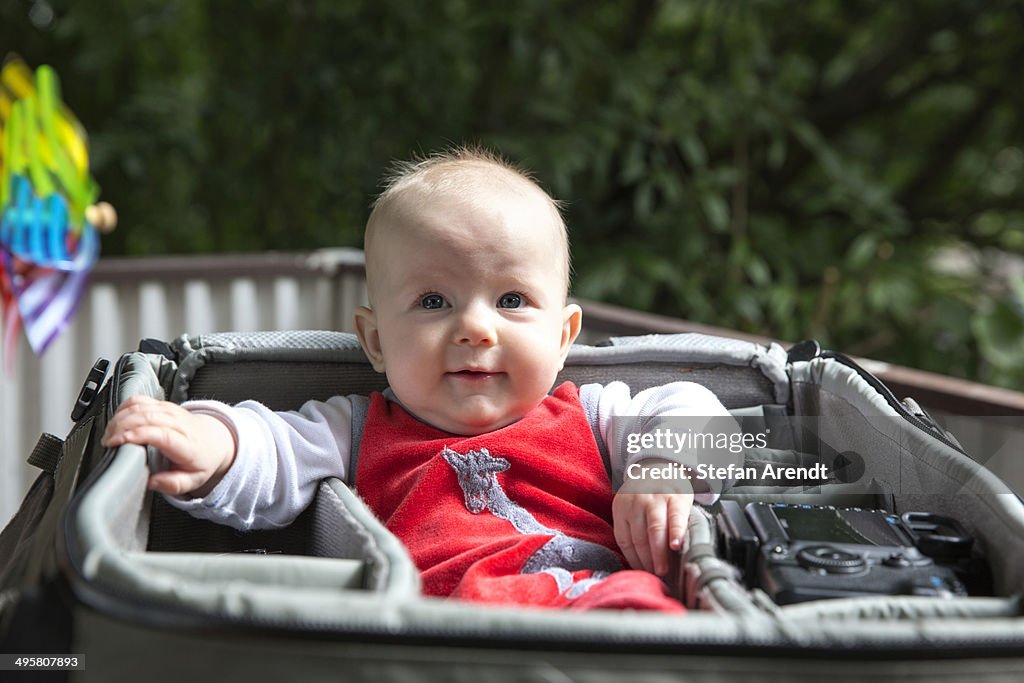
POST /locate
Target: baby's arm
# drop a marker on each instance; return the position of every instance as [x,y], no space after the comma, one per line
[277,458]
[650,516]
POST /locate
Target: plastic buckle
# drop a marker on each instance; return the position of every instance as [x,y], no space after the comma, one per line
[157,347]
[90,389]
[805,350]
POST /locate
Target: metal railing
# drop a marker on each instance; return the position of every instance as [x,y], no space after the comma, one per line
[129,299]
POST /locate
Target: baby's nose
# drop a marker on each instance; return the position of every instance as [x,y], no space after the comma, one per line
[476,326]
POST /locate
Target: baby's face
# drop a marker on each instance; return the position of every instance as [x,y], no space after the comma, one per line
[469,320]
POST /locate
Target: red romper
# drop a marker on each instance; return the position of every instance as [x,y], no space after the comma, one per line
[521,515]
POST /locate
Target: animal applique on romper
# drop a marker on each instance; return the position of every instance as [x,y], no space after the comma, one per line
[521,515]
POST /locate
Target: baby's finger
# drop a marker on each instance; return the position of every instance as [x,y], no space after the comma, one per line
[642,544]
[657,538]
[624,537]
[136,415]
[115,426]
[172,443]
[137,400]
[678,518]
[135,404]
[175,482]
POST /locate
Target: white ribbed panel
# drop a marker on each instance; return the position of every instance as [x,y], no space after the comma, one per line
[119,310]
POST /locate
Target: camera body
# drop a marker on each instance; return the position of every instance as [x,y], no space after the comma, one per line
[800,552]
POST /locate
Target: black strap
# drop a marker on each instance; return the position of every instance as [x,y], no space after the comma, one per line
[41,561]
[46,454]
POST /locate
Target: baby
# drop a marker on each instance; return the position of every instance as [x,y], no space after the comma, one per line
[499,486]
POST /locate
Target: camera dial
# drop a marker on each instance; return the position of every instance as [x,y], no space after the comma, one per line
[831,560]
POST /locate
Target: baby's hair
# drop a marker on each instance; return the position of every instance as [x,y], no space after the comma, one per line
[445,172]
[402,173]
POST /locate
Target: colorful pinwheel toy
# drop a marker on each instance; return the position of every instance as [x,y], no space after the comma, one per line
[48,223]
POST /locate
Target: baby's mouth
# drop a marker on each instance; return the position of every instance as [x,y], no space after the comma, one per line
[474,375]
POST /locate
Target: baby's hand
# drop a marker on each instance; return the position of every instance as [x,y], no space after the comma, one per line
[200,447]
[648,524]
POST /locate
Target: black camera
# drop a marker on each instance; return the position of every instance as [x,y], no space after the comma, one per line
[800,552]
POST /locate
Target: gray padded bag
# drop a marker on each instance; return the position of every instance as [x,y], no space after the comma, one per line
[336,596]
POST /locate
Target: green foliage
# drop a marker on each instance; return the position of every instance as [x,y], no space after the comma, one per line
[850,171]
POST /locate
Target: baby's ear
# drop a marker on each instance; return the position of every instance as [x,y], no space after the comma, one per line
[369,338]
[572,321]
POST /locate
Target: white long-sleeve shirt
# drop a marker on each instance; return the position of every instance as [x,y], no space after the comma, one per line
[281,456]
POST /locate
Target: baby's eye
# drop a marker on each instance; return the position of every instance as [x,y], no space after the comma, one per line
[510,300]
[432,301]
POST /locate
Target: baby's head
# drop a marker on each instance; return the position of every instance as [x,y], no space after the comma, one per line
[467,267]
